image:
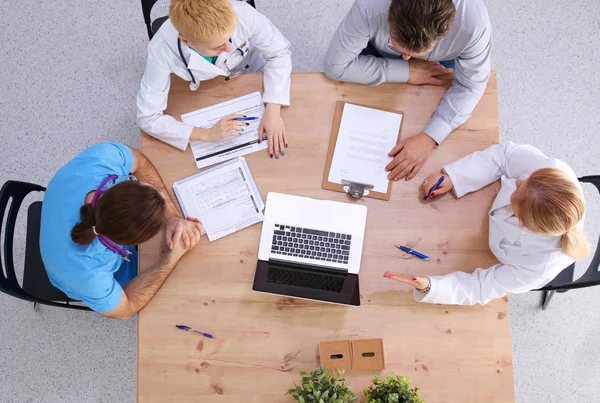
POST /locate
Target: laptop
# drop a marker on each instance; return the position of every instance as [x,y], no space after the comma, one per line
[311,249]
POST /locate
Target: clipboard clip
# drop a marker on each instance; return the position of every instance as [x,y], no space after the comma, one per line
[356,189]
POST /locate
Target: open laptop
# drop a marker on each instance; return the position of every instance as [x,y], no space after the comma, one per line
[311,249]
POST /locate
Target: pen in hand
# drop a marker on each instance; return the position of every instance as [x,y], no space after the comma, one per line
[434,187]
[189,329]
[246,119]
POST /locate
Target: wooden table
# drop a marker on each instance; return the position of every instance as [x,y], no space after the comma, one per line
[453,354]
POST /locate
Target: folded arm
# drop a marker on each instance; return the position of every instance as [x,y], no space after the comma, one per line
[343,61]
[140,290]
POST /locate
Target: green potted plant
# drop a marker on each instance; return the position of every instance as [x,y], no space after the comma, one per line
[320,387]
[393,389]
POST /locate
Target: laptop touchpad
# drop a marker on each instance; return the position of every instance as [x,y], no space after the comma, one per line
[315,214]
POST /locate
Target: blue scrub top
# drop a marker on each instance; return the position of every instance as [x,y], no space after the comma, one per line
[92,273]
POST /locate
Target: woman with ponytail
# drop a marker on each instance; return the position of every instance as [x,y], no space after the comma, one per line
[95,212]
[535,230]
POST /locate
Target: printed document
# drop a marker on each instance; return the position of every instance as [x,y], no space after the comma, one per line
[365,138]
[207,153]
[225,198]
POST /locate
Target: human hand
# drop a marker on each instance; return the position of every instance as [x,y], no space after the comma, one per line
[409,155]
[226,127]
[273,125]
[191,231]
[418,282]
[431,180]
[422,72]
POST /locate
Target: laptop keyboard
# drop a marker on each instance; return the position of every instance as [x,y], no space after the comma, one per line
[304,279]
[311,244]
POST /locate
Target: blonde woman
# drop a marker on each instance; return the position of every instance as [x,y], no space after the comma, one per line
[535,231]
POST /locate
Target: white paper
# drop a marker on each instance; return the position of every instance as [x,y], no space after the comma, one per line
[365,138]
[207,153]
[223,199]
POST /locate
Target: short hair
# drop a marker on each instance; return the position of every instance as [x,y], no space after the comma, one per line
[197,20]
[418,24]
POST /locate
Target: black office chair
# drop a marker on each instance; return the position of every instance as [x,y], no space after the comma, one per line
[153,26]
[564,281]
[36,286]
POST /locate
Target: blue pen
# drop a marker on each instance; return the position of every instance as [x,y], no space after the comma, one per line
[189,329]
[249,119]
[412,252]
[438,183]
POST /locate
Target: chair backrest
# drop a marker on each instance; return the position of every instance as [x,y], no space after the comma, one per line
[591,277]
[147,11]
[13,192]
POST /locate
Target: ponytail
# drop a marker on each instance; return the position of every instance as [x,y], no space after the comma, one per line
[83,233]
[575,244]
[128,213]
[550,202]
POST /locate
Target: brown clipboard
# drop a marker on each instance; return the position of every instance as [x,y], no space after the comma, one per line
[337,118]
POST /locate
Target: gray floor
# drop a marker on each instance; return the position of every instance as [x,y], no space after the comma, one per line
[68,78]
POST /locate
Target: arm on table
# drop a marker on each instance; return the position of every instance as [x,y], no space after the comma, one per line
[343,61]
[481,168]
[471,74]
[152,101]
[140,290]
[146,172]
[479,287]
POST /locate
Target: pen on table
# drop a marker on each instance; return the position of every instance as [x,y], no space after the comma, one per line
[189,329]
[437,184]
[246,119]
[412,252]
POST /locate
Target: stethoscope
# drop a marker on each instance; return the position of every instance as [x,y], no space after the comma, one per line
[104,240]
[232,75]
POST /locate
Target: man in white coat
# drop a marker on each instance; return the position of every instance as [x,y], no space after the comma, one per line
[535,231]
[204,39]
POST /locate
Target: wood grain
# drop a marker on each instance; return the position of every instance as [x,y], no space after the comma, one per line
[453,354]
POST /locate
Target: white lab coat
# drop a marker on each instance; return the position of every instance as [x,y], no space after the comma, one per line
[527,260]
[253,32]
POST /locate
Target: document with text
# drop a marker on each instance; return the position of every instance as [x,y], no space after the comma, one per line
[365,138]
[225,198]
[207,153]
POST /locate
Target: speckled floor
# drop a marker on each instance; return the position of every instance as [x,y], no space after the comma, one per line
[68,79]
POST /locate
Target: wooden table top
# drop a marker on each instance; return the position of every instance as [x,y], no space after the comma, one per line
[453,354]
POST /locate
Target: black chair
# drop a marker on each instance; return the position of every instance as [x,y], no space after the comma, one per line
[564,281]
[153,26]
[36,285]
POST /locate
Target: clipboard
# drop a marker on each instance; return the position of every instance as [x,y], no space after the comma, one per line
[180,188]
[336,187]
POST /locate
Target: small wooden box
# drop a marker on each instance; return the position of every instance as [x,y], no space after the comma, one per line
[367,355]
[336,354]
[359,355]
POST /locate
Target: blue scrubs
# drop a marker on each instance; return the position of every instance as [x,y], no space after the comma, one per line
[92,273]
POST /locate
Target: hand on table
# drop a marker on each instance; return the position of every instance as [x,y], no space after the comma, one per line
[226,127]
[409,155]
[273,125]
[431,180]
[188,230]
[422,72]
[418,282]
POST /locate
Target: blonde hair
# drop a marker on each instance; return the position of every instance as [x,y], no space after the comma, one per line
[197,20]
[549,202]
